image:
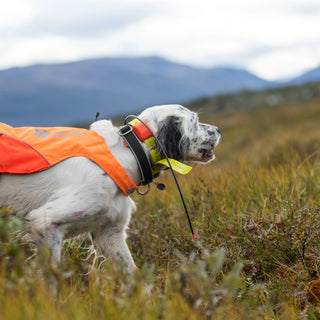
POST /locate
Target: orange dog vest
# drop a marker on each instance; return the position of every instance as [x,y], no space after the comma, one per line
[26,150]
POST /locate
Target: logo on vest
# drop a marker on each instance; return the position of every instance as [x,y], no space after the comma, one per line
[57,134]
[41,133]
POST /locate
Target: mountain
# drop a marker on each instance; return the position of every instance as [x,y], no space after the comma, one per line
[64,94]
[310,76]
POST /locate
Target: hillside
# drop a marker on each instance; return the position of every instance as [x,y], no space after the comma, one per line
[249,100]
[64,94]
[256,214]
[72,92]
[312,75]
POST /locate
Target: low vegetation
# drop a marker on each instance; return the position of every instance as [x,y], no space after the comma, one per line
[256,214]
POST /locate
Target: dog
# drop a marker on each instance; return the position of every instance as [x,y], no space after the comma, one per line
[76,196]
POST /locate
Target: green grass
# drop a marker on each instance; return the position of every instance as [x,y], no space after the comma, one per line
[256,213]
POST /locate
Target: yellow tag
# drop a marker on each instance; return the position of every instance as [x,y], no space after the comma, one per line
[150,142]
[133,122]
[176,166]
[155,155]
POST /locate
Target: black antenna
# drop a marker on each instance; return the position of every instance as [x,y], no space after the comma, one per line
[174,176]
[97,115]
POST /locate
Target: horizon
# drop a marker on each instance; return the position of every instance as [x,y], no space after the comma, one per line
[54,63]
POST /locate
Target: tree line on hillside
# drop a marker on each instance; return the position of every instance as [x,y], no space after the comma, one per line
[246,100]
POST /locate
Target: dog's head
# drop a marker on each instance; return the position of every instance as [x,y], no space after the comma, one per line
[181,134]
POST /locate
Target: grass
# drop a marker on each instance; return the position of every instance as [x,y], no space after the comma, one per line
[256,213]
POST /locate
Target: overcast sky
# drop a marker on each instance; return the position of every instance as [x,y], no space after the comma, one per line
[272,38]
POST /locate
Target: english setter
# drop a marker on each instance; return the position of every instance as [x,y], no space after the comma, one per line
[51,200]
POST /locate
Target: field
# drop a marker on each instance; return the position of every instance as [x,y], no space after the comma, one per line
[256,214]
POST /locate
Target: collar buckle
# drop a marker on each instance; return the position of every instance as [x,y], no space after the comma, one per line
[125,130]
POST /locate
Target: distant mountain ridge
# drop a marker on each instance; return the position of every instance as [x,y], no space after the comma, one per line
[310,76]
[62,94]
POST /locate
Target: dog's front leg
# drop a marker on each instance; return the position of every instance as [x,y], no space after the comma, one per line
[111,242]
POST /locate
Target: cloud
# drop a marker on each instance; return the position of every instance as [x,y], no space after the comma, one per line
[14,14]
[82,18]
[310,8]
[244,33]
[288,61]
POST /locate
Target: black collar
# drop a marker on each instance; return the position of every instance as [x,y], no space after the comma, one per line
[138,151]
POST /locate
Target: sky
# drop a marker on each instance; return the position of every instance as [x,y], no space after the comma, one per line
[274,39]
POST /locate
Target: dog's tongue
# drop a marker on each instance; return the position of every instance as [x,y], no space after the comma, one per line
[206,153]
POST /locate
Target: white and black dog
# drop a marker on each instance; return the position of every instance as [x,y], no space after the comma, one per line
[50,200]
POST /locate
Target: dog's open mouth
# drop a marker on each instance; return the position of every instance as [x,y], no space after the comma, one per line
[206,154]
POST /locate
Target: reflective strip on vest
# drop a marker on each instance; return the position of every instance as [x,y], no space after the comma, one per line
[26,150]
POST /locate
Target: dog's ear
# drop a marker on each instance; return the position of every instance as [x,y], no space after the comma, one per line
[173,138]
